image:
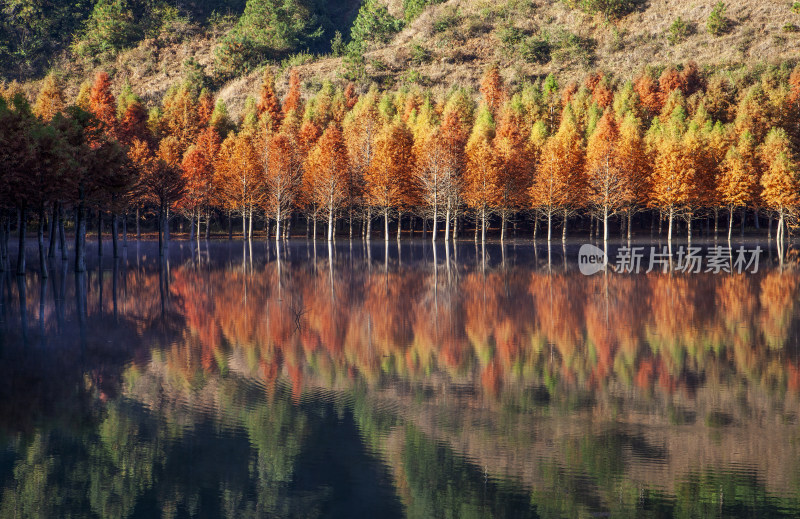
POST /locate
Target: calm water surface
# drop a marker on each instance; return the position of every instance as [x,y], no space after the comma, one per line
[239,380]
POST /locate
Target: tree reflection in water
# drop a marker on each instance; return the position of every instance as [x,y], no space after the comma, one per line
[313,380]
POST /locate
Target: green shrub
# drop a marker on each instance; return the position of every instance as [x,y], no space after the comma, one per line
[449,18]
[338,47]
[111,27]
[267,30]
[535,49]
[373,24]
[678,31]
[717,23]
[789,27]
[571,47]
[419,54]
[609,8]
[413,8]
[796,8]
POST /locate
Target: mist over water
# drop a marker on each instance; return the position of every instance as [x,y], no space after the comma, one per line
[249,379]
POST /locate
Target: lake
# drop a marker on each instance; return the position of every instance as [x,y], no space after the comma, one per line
[237,379]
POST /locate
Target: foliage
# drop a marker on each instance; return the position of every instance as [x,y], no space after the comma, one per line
[717,23]
[413,8]
[111,27]
[337,45]
[678,31]
[448,18]
[373,24]
[267,30]
[608,8]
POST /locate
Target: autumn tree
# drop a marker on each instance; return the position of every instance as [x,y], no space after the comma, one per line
[161,179]
[609,189]
[327,170]
[386,174]
[103,105]
[238,174]
[513,162]
[673,175]
[482,182]
[50,99]
[779,181]
[269,107]
[292,102]
[557,183]
[283,174]
[361,127]
[739,182]
[198,172]
[493,90]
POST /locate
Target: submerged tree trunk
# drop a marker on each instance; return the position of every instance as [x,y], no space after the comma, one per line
[99,232]
[730,224]
[80,238]
[40,239]
[669,232]
[22,216]
[114,232]
[330,223]
[277,226]
[51,248]
[386,224]
[62,238]
[399,224]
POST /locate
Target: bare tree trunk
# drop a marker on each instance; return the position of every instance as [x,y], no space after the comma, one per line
[630,218]
[191,226]
[503,226]
[80,238]
[399,224]
[40,240]
[386,224]
[549,225]
[99,232]
[62,237]
[605,223]
[447,223]
[435,222]
[730,224]
[689,227]
[669,232]
[277,226]
[483,225]
[114,239]
[51,249]
[330,223]
[564,228]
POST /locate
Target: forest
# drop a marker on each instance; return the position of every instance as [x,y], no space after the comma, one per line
[682,146]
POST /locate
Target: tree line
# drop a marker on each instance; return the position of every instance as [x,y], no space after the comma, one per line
[681,144]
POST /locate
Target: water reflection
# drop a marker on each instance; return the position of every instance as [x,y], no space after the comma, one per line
[305,379]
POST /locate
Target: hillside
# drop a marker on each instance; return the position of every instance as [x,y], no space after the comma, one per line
[447,43]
